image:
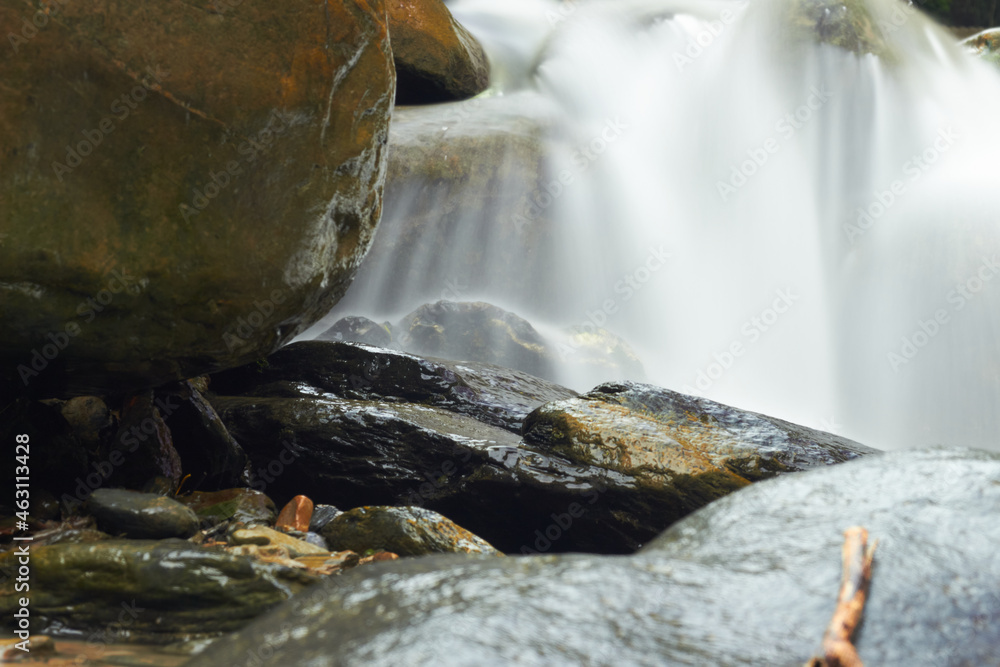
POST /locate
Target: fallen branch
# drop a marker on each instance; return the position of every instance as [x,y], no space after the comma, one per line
[838,651]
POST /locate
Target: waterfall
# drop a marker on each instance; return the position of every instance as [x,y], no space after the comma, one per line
[789,206]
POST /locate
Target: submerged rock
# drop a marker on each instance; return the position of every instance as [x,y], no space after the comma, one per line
[750,580]
[182,191]
[436,59]
[581,355]
[406,531]
[589,351]
[141,515]
[354,329]
[477,331]
[985,44]
[168,589]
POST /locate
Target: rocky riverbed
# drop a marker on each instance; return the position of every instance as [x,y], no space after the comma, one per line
[374,455]
[430,508]
[205,492]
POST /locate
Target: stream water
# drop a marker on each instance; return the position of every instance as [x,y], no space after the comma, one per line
[770,219]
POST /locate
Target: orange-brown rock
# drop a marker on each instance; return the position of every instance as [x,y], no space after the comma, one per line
[183,186]
[437,60]
[296,515]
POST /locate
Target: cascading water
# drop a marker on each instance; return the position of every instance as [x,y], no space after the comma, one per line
[784,206]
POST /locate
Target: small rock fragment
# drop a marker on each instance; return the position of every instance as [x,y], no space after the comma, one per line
[141,515]
[322,515]
[264,536]
[296,515]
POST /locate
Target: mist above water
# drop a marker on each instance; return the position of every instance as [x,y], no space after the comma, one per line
[770,219]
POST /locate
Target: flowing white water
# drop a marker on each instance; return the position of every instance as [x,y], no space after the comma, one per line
[831,219]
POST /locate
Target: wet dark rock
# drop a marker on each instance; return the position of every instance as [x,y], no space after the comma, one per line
[210,455]
[73,536]
[656,434]
[492,394]
[322,515]
[353,329]
[356,453]
[406,531]
[750,580]
[89,418]
[141,515]
[143,447]
[436,59]
[74,530]
[519,496]
[351,453]
[239,505]
[477,331]
[168,589]
[220,207]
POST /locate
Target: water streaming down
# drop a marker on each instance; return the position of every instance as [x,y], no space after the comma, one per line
[820,176]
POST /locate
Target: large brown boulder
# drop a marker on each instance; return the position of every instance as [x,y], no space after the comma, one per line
[436,58]
[183,187]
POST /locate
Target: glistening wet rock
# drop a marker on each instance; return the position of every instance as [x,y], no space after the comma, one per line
[750,580]
[593,475]
[355,453]
[169,589]
[322,515]
[141,515]
[207,185]
[492,394]
[656,434]
[436,59]
[406,531]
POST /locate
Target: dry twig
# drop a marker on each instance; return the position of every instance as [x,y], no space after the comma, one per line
[838,651]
